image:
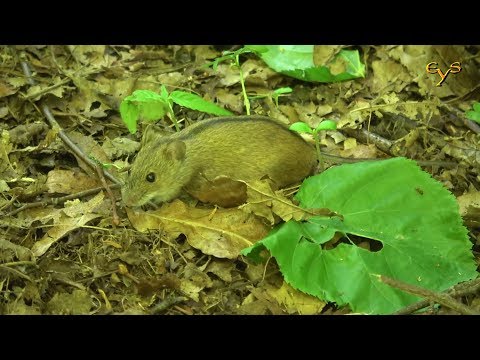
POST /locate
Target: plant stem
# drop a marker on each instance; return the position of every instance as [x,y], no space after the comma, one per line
[172,115]
[246,102]
[319,153]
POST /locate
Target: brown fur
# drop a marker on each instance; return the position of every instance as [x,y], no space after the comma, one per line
[240,148]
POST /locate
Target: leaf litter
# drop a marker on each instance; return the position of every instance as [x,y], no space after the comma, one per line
[69,258]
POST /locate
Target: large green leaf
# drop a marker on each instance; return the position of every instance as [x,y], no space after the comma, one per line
[392,201]
[297,61]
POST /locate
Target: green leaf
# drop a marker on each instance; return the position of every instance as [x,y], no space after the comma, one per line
[476,106]
[142,104]
[355,67]
[327,125]
[393,201]
[283,90]
[475,114]
[164,92]
[195,102]
[297,61]
[300,127]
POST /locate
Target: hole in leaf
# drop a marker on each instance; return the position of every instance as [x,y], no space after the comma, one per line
[240,265]
[95,105]
[181,239]
[365,243]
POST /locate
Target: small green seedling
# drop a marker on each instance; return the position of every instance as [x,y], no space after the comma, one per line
[301,127]
[150,106]
[275,94]
[474,114]
[106,166]
[234,56]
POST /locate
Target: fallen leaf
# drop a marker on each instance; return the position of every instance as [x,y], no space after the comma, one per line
[229,75]
[76,303]
[221,268]
[471,199]
[194,281]
[295,301]
[6,90]
[231,101]
[3,112]
[69,182]
[223,235]
[264,202]
[6,170]
[362,151]
[65,223]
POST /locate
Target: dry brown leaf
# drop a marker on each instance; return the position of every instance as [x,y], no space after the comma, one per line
[69,182]
[203,52]
[350,143]
[194,281]
[66,223]
[308,113]
[260,303]
[361,151]
[265,202]
[295,301]
[258,74]
[21,252]
[6,90]
[415,58]
[469,202]
[6,170]
[229,75]
[324,54]
[91,55]
[36,92]
[120,147]
[388,75]
[222,233]
[221,268]
[232,101]
[76,303]
[3,111]
[253,306]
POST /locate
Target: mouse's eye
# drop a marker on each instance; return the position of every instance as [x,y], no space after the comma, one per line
[150,177]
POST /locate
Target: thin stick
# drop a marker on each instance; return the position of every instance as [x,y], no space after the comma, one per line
[463,289]
[73,146]
[60,200]
[116,219]
[54,124]
[441,298]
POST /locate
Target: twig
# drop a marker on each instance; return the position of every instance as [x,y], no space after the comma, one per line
[341,159]
[16,272]
[53,123]
[73,146]
[47,89]
[116,219]
[441,298]
[167,303]
[369,137]
[466,288]
[60,200]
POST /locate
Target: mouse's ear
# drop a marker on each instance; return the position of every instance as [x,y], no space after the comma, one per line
[175,150]
[153,133]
